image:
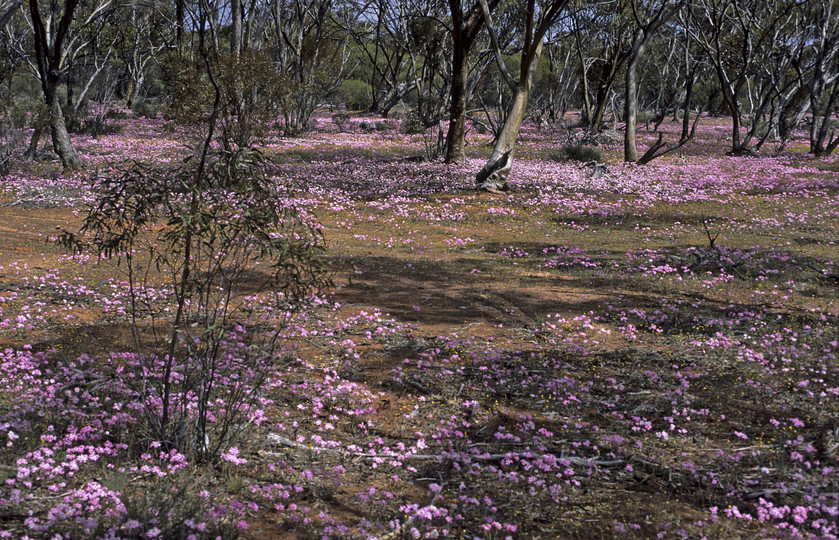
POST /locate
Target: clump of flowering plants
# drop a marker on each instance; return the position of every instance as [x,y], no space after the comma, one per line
[235,256]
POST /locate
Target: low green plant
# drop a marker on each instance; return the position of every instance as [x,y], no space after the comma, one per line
[581,153]
[149,108]
[385,125]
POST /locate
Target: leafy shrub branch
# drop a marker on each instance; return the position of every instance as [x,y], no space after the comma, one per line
[216,254]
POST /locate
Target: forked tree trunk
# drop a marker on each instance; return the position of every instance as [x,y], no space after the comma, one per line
[493,176]
[49,45]
[61,142]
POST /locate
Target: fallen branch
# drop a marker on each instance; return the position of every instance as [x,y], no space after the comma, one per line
[573,460]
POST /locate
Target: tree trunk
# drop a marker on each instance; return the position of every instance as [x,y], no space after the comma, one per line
[736,147]
[465,28]
[602,98]
[689,78]
[134,89]
[630,148]
[32,151]
[394,96]
[180,15]
[60,138]
[824,143]
[456,137]
[48,52]
[493,177]
[236,27]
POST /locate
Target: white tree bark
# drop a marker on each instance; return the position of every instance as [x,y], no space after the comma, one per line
[493,176]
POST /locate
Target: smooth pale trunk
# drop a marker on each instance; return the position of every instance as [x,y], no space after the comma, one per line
[236,27]
[497,178]
[586,98]
[630,147]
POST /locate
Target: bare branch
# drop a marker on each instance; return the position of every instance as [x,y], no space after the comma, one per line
[496,49]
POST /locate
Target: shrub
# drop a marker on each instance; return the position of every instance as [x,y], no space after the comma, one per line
[582,153]
[355,94]
[342,120]
[227,241]
[115,113]
[413,124]
[95,126]
[385,125]
[148,108]
[249,91]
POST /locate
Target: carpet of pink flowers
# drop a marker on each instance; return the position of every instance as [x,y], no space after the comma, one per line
[648,354]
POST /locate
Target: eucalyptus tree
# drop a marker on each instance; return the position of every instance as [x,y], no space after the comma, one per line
[738,36]
[679,56]
[601,32]
[661,91]
[559,85]
[142,35]
[57,30]
[467,21]
[648,16]
[818,73]
[774,93]
[309,49]
[537,20]
[382,41]
[7,11]
[11,118]
[431,65]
